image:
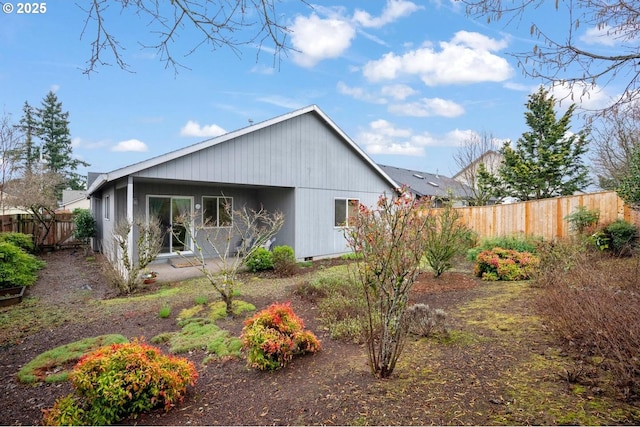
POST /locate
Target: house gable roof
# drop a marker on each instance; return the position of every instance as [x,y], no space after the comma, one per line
[425,183]
[476,162]
[104,178]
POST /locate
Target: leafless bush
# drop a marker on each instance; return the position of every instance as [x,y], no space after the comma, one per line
[423,320]
[594,306]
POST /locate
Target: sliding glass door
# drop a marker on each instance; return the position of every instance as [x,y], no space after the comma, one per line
[169,209]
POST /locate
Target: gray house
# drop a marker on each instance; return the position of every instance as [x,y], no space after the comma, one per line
[299,163]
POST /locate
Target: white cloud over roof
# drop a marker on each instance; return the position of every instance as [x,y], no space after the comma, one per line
[193,128]
[131,145]
[383,137]
[316,38]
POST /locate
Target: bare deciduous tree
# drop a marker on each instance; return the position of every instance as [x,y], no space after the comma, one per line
[217,23]
[148,246]
[230,246]
[9,143]
[35,192]
[477,149]
[613,140]
[564,61]
[390,239]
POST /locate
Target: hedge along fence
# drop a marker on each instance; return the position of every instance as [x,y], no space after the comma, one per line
[544,217]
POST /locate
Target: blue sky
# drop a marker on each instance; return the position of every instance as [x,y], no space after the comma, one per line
[407,81]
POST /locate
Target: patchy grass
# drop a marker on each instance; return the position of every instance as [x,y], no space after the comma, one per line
[198,333]
[55,365]
[218,310]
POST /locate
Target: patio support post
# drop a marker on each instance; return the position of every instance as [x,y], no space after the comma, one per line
[130,215]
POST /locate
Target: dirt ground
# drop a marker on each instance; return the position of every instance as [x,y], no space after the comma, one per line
[433,383]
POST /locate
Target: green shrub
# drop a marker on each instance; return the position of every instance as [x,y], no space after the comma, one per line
[505,264]
[121,380]
[583,219]
[284,260]
[17,268]
[516,242]
[622,237]
[86,226]
[21,240]
[260,260]
[445,237]
[274,335]
[341,303]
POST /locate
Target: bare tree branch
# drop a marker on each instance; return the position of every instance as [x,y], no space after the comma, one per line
[563,62]
[217,23]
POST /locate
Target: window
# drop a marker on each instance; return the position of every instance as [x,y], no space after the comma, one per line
[106,207]
[345,211]
[217,211]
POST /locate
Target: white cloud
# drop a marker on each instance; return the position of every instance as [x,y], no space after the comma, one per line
[467,58]
[281,101]
[399,92]
[393,10]
[54,88]
[131,145]
[359,93]
[428,107]
[583,95]
[316,39]
[207,131]
[601,36]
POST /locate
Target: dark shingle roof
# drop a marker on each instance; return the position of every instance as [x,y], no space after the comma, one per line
[427,184]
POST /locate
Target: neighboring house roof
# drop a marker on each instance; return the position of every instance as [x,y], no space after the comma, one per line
[5,209]
[72,199]
[490,158]
[427,184]
[104,178]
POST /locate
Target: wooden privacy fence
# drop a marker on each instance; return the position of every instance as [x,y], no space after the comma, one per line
[544,217]
[60,235]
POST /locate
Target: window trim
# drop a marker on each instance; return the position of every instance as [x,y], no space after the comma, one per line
[217,220]
[347,200]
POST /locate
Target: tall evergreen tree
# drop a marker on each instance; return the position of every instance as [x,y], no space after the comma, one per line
[547,160]
[629,188]
[29,153]
[53,131]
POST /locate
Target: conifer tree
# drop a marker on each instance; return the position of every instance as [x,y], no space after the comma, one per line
[629,188]
[547,160]
[28,155]
[54,134]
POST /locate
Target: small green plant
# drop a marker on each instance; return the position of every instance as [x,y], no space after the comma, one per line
[165,311]
[351,256]
[505,264]
[122,380]
[21,240]
[284,260]
[260,260]
[517,242]
[273,336]
[582,219]
[17,268]
[219,309]
[201,300]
